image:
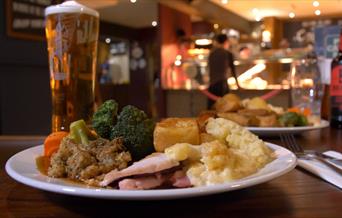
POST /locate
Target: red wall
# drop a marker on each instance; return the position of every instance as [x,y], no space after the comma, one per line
[170,21]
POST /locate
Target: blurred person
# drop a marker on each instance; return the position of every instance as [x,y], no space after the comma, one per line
[284,43]
[220,63]
[245,52]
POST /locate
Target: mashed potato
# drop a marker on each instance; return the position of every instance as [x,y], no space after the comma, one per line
[235,154]
[241,140]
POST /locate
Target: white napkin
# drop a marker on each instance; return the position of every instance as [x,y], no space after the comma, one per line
[318,168]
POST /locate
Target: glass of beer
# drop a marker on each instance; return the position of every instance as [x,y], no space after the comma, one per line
[72,33]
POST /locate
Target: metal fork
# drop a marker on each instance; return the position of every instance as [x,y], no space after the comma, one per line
[289,141]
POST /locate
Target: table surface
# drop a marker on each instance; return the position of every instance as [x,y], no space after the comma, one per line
[296,194]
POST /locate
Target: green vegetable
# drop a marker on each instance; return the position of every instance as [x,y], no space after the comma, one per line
[302,121]
[104,118]
[80,133]
[290,119]
[137,131]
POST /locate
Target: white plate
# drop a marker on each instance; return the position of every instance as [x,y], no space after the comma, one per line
[273,131]
[22,168]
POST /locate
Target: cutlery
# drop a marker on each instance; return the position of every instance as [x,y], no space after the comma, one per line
[289,141]
[336,161]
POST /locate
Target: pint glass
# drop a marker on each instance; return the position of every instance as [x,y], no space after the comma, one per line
[72,34]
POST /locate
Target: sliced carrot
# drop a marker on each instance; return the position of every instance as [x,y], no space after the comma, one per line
[306,111]
[52,142]
[294,109]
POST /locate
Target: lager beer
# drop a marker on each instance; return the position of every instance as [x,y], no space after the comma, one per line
[72,33]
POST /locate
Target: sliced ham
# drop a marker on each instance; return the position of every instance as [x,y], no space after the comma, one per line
[176,179]
[146,182]
[151,164]
[180,180]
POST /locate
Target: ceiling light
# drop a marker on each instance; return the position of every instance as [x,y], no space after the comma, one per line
[224,1]
[266,36]
[216,26]
[315,4]
[292,15]
[154,23]
[107,40]
[317,12]
[203,41]
[255,10]
[258,18]
[133,1]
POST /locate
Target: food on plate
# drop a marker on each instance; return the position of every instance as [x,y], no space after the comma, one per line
[256,103]
[153,171]
[136,129]
[205,137]
[254,112]
[203,117]
[228,103]
[264,120]
[83,155]
[52,142]
[80,133]
[105,117]
[78,161]
[257,112]
[234,154]
[236,117]
[128,151]
[175,130]
[293,119]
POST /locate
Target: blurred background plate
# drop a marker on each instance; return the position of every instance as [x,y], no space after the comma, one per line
[276,131]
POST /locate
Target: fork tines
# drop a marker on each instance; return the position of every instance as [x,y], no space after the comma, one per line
[289,141]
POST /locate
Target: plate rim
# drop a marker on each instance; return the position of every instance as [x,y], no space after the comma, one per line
[157,194]
[324,124]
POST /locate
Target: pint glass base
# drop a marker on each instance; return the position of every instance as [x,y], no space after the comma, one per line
[59,123]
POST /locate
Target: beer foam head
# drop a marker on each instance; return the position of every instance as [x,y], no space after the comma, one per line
[70,7]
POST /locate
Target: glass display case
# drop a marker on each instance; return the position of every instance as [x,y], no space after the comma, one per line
[268,70]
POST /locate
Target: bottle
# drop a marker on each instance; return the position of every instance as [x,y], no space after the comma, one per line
[336,89]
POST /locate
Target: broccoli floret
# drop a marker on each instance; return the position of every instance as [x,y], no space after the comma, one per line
[291,119]
[104,118]
[137,131]
[80,133]
[302,121]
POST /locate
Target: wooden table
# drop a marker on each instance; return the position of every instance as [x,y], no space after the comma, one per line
[296,194]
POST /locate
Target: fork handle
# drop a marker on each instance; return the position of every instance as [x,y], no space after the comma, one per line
[332,166]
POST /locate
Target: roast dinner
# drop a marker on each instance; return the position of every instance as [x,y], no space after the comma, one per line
[127,150]
[256,112]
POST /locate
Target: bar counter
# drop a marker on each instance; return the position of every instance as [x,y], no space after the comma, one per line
[296,194]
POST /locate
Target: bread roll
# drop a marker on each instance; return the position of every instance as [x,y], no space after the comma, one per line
[175,130]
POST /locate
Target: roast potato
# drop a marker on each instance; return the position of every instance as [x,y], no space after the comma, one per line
[228,103]
[264,121]
[237,118]
[175,130]
[257,103]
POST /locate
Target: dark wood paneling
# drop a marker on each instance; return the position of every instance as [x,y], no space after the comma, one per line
[25,99]
[24,84]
